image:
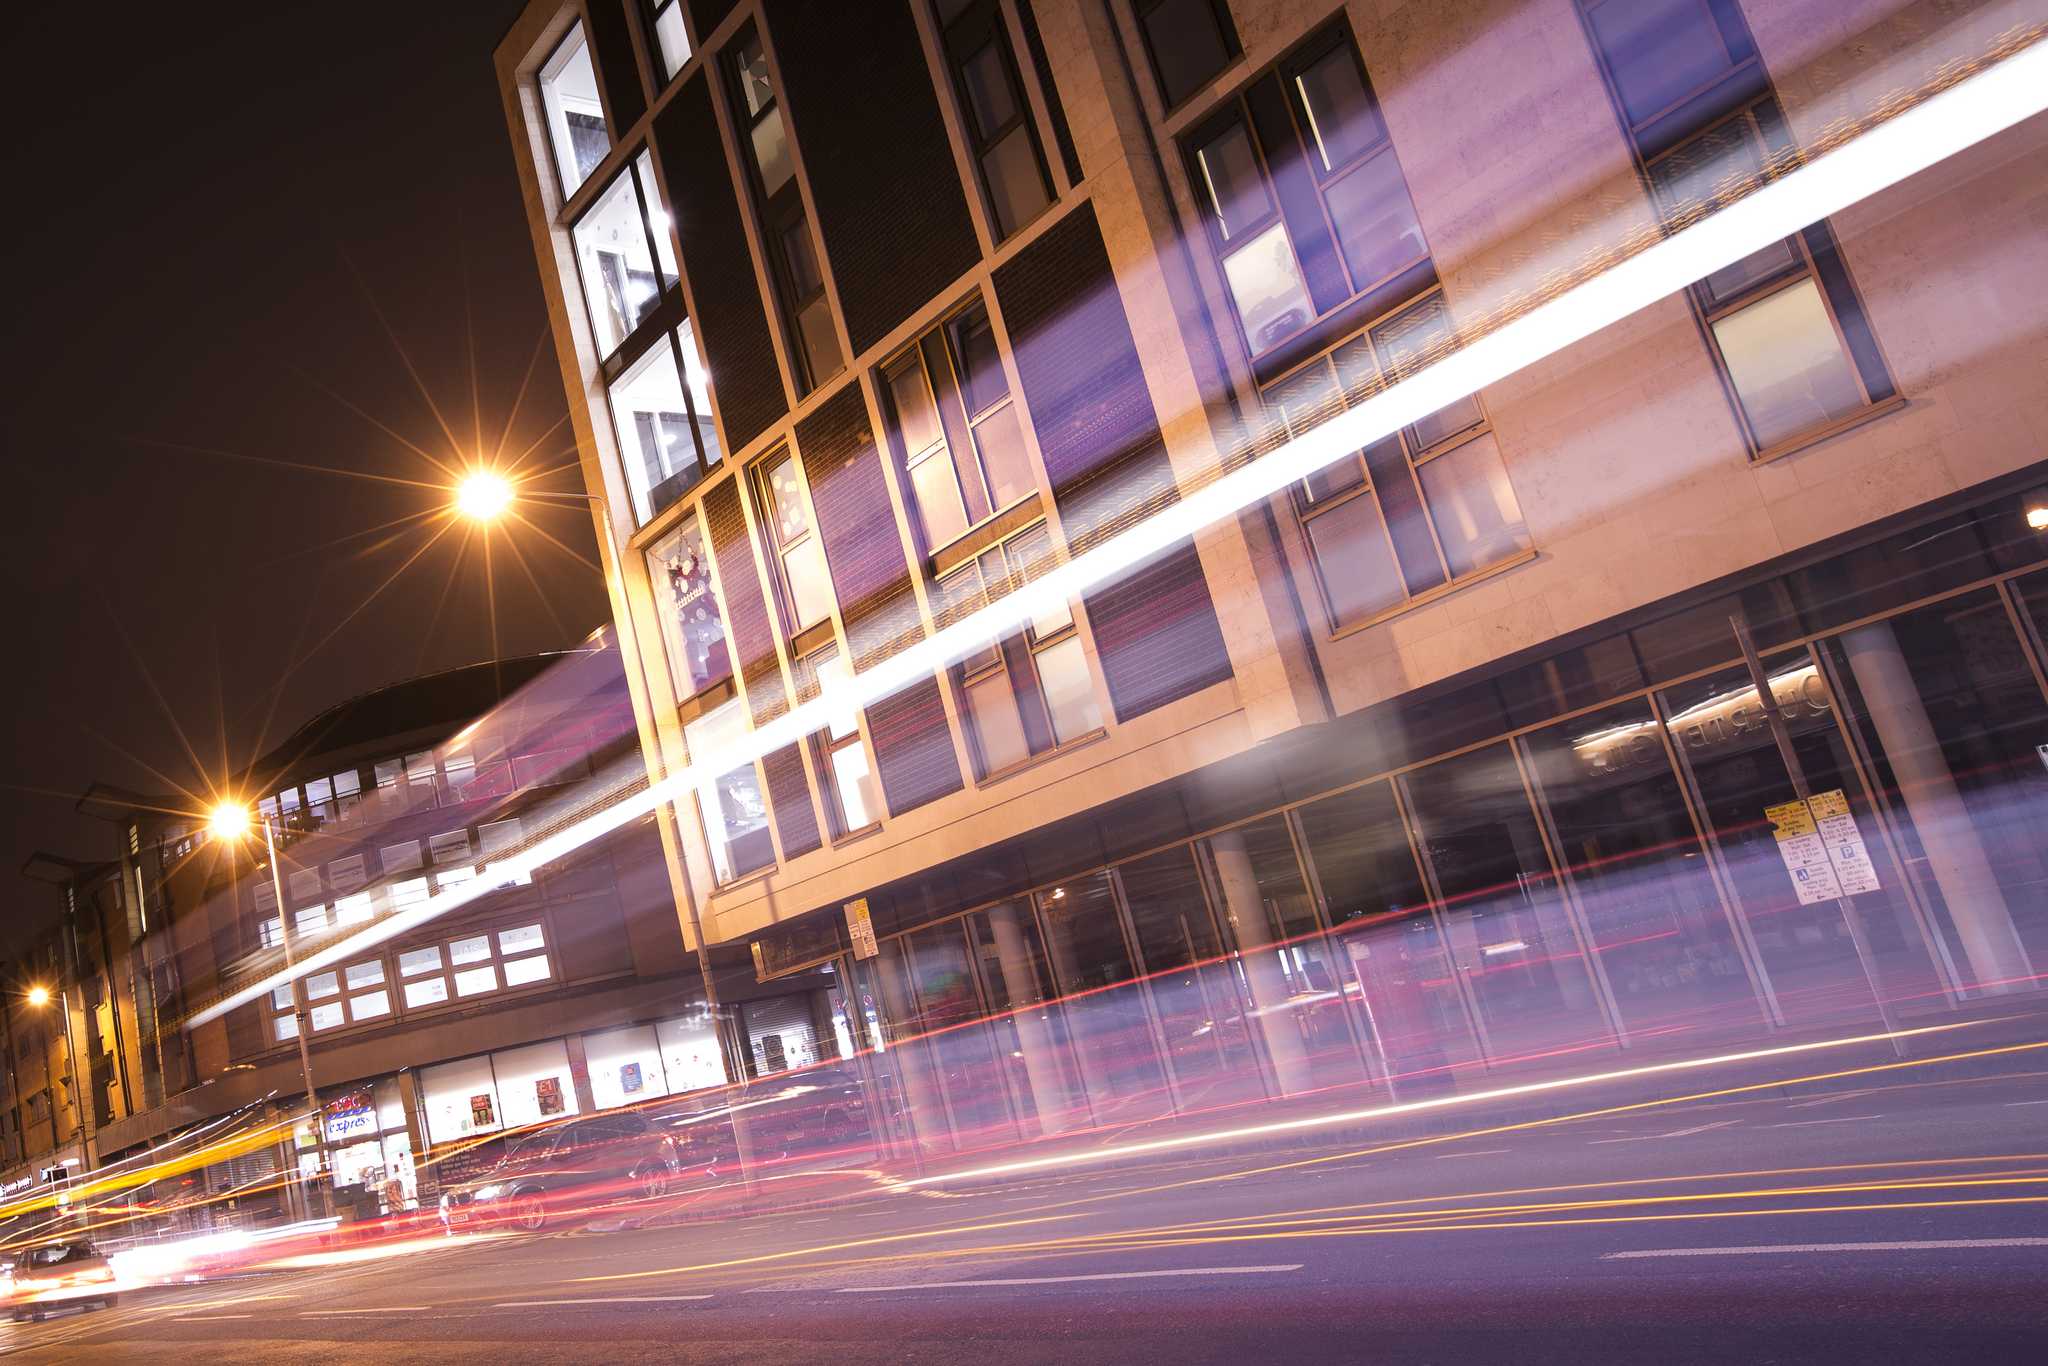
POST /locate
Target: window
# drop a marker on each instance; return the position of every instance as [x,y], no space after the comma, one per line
[853,794]
[1189,41]
[473,965]
[671,43]
[1424,507]
[806,584]
[734,811]
[661,409]
[1786,322]
[1033,691]
[1304,201]
[679,572]
[995,114]
[497,837]
[624,254]
[348,874]
[324,993]
[784,224]
[958,433]
[450,847]
[399,858]
[575,117]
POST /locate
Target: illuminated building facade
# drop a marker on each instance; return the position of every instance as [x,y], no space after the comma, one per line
[1444,757]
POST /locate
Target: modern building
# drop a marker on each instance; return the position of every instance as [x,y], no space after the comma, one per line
[1444,756]
[568,993]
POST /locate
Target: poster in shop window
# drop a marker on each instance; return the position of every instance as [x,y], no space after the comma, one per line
[481,1113]
[548,1091]
[629,1078]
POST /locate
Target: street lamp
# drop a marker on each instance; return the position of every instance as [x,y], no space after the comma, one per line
[230,821]
[39,996]
[483,496]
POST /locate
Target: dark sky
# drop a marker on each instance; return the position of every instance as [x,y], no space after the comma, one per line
[208,210]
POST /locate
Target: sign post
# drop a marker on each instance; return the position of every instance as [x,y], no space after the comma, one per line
[861,929]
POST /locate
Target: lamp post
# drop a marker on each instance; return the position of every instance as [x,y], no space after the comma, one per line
[40,996]
[230,820]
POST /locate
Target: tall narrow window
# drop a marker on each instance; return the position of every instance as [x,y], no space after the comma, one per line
[1785,322]
[1305,203]
[791,251]
[997,117]
[853,793]
[731,801]
[1189,42]
[624,255]
[661,409]
[1426,506]
[672,43]
[1031,691]
[799,552]
[691,626]
[958,432]
[575,115]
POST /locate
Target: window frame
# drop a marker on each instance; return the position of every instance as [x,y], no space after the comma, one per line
[824,745]
[760,485]
[576,27]
[782,212]
[667,295]
[664,325]
[651,12]
[692,517]
[1362,298]
[1417,453]
[1744,94]
[985,23]
[1226,27]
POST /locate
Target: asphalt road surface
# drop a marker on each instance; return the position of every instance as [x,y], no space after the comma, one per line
[1902,1220]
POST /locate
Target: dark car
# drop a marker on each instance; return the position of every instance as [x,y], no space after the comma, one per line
[566,1169]
[62,1273]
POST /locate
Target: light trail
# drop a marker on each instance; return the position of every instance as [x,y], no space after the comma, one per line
[1891,150]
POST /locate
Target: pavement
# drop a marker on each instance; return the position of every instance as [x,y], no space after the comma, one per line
[1897,1215]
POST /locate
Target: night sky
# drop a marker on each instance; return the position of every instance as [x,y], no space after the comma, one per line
[208,210]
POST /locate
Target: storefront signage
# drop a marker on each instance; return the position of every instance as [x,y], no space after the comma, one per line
[351,1117]
[1822,848]
[797,945]
[18,1184]
[861,928]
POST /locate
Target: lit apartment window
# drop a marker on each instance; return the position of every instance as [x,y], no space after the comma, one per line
[793,254]
[1189,42]
[672,44]
[852,792]
[734,810]
[661,409]
[1032,691]
[1426,506]
[1785,323]
[354,994]
[575,116]
[624,254]
[798,551]
[958,433]
[473,964]
[1303,199]
[1000,135]
[679,571]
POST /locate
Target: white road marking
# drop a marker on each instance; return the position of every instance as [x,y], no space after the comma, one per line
[1062,1280]
[1830,1100]
[1930,1244]
[208,1318]
[1482,1152]
[1675,1133]
[2012,1103]
[597,1299]
[380,1309]
[1802,1123]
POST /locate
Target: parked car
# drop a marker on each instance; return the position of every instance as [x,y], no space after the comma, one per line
[61,1273]
[565,1169]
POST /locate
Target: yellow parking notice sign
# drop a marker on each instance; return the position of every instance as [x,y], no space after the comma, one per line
[1792,819]
[1805,854]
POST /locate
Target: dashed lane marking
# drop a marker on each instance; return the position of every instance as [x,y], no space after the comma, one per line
[1924,1245]
[1064,1280]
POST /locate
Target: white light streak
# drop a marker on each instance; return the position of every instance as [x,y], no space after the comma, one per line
[1938,127]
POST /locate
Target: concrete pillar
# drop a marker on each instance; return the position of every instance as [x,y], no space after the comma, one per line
[1976,905]
[928,1117]
[1011,923]
[1252,931]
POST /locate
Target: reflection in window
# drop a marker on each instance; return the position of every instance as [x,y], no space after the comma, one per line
[1000,135]
[856,797]
[1189,41]
[670,40]
[624,254]
[661,411]
[806,585]
[735,812]
[1787,364]
[680,572]
[575,117]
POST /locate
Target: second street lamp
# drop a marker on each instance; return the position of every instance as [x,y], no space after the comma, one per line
[230,821]
[81,1098]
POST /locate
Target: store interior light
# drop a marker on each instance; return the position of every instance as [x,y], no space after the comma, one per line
[2037,516]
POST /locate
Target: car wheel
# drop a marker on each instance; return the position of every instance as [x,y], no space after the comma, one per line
[529,1214]
[652,1182]
[110,1301]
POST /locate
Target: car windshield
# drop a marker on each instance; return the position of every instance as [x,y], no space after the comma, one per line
[51,1256]
[535,1144]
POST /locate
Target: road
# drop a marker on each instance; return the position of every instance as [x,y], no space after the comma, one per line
[1902,1220]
